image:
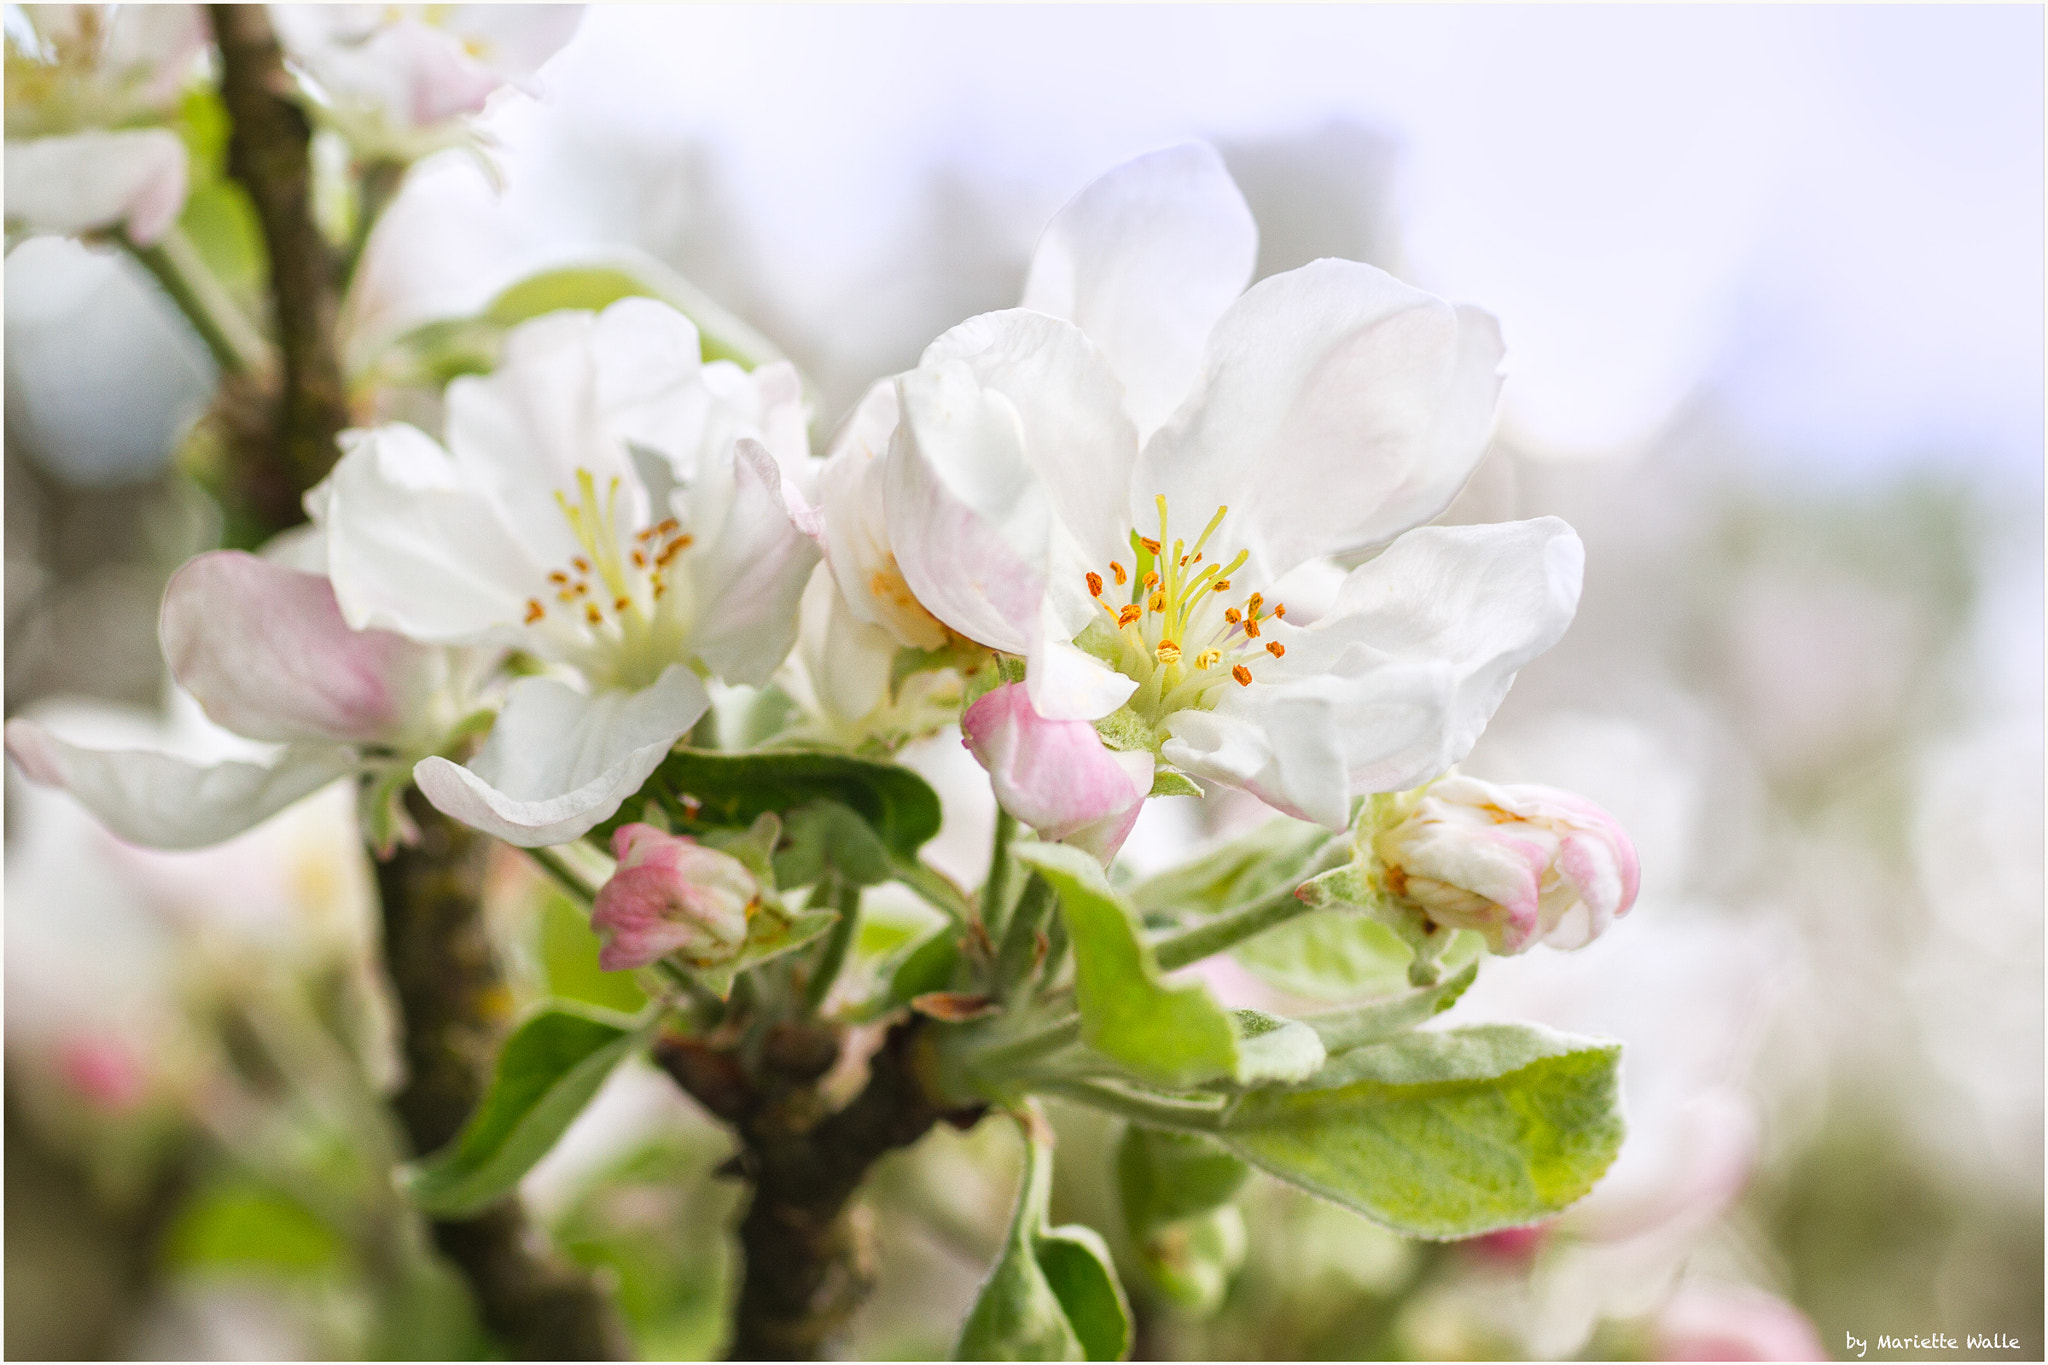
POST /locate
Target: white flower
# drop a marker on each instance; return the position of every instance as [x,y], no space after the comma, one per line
[843,677]
[79,78]
[1110,480]
[607,503]
[400,81]
[854,516]
[264,650]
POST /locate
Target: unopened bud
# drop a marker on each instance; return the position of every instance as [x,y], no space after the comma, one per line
[1517,864]
[671,894]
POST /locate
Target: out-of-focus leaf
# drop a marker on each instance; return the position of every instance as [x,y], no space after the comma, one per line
[248,1225]
[1232,873]
[1444,1134]
[1166,1176]
[1340,954]
[568,956]
[714,790]
[1173,1036]
[929,967]
[1192,1261]
[1342,1030]
[1052,1294]
[550,1068]
[828,837]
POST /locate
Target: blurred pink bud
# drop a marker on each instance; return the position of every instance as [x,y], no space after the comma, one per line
[1512,1246]
[1710,1320]
[671,894]
[1057,776]
[104,1071]
[1519,864]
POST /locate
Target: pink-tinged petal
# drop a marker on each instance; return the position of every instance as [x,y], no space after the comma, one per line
[750,576]
[1144,261]
[853,524]
[1056,775]
[1283,746]
[671,894]
[558,762]
[83,182]
[1072,430]
[1713,1320]
[967,517]
[267,654]
[158,801]
[1335,376]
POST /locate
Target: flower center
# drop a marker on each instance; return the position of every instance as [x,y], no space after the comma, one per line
[1183,632]
[615,611]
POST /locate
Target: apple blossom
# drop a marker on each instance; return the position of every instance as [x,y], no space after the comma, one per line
[399,81]
[265,651]
[672,894]
[1519,864]
[843,676]
[1110,480]
[1716,1320]
[606,503]
[853,514]
[81,79]
[1056,775]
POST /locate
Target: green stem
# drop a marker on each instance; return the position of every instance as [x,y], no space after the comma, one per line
[936,890]
[1232,927]
[1007,1058]
[1015,958]
[995,892]
[846,900]
[379,186]
[568,878]
[1146,1109]
[236,344]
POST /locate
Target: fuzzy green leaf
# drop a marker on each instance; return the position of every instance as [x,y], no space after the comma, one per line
[1270,1049]
[1165,1176]
[549,1070]
[1342,1030]
[1444,1134]
[768,935]
[1172,1036]
[825,836]
[721,790]
[1076,1264]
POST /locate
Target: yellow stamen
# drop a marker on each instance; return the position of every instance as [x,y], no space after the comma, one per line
[1208,659]
[1157,602]
[591,613]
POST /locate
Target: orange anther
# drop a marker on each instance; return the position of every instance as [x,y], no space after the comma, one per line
[1129,614]
[558,577]
[1167,653]
[1151,545]
[1251,627]
[621,603]
[591,613]
[1275,648]
[1095,585]
[582,564]
[1279,609]
[534,610]
[1157,602]
[1223,585]
[1253,603]
[1118,569]
[1232,615]
[1151,580]
[1243,675]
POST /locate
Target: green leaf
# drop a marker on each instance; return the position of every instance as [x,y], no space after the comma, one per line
[1052,1294]
[568,957]
[929,967]
[592,287]
[1232,873]
[1192,1261]
[1165,1176]
[1270,1048]
[550,1068]
[1173,1036]
[1339,954]
[769,934]
[1342,1030]
[722,790]
[828,837]
[1076,1264]
[244,1224]
[1446,1134]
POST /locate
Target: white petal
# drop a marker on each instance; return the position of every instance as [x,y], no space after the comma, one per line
[846,662]
[85,181]
[750,579]
[1422,646]
[413,548]
[524,433]
[265,651]
[1076,437]
[856,525]
[967,517]
[1336,408]
[1286,750]
[1066,683]
[159,801]
[559,761]
[1144,261]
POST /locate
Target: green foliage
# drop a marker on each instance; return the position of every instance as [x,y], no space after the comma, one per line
[1170,782]
[1173,1036]
[241,1224]
[568,956]
[1052,1294]
[826,837]
[1342,1030]
[1230,874]
[703,790]
[769,934]
[1175,1190]
[549,1070]
[1445,1134]
[1340,954]
[1272,1049]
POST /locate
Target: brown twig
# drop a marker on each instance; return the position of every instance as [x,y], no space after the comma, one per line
[809,1253]
[268,153]
[455,1008]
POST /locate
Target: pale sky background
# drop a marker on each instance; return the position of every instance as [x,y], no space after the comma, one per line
[1829,216]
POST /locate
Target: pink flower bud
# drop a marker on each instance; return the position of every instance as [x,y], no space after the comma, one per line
[1057,776]
[671,894]
[1517,864]
[1710,1320]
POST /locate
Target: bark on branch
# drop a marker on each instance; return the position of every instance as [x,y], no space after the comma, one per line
[455,1008]
[268,153]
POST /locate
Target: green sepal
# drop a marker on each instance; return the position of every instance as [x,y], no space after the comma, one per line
[1444,1135]
[1125,731]
[1273,1050]
[549,1069]
[1173,1036]
[1343,1030]
[826,837]
[1171,782]
[770,933]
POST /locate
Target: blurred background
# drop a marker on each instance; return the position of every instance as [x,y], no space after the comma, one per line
[1771,281]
